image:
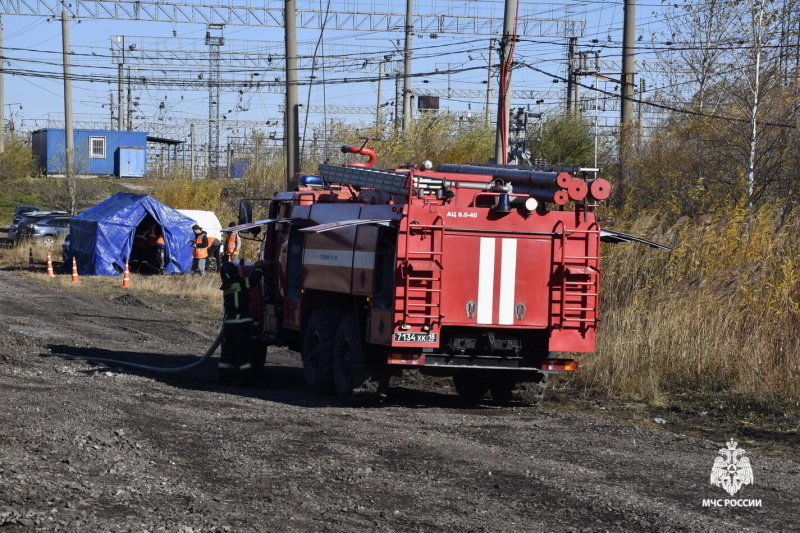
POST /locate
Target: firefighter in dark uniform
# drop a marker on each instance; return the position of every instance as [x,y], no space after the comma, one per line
[238,349]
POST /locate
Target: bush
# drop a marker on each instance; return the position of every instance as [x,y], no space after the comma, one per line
[17,160]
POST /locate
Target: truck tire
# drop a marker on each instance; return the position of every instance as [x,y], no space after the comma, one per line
[317,351]
[350,373]
[471,386]
[509,390]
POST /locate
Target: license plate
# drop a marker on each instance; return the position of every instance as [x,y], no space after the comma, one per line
[408,336]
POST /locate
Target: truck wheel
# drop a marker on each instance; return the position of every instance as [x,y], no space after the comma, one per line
[350,375]
[508,390]
[317,351]
[470,386]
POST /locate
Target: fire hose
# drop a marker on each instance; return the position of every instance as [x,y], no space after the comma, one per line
[158,369]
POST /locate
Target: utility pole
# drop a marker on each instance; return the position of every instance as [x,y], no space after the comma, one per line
[129,120]
[292,118]
[571,76]
[628,66]
[120,83]
[642,87]
[2,93]
[397,96]
[111,106]
[407,111]
[214,43]
[625,126]
[378,120]
[68,132]
[489,83]
[506,58]
[595,126]
[579,64]
[191,151]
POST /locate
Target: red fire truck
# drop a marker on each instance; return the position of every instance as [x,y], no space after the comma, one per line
[482,273]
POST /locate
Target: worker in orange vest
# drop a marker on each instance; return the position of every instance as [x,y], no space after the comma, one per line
[214,246]
[200,252]
[157,246]
[232,244]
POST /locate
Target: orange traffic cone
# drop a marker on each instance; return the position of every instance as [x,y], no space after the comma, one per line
[126,277]
[50,273]
[75,271]
[31,264]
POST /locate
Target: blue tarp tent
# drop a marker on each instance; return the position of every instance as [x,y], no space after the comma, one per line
[101,237]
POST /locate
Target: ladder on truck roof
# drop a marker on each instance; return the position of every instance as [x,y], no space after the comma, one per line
[579,278]
[372,178]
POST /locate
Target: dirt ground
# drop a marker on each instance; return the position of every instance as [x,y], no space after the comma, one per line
[96,447]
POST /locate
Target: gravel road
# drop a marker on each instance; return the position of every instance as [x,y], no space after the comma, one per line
[98,447]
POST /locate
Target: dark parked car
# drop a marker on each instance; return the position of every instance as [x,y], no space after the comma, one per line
[50,230]
[23,210]
[47,227]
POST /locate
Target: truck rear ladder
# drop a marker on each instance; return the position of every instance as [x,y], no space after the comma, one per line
[578,276]
[422,269]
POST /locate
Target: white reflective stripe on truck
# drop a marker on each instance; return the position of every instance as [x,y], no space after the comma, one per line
[508,280]
[487,281]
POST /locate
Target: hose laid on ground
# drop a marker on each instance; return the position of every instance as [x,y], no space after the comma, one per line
[158,369]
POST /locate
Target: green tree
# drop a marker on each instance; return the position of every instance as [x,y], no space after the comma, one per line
[566,140]
[17,160]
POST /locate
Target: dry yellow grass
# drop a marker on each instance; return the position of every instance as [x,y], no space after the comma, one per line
[189,288]
[719,314]
[186,193]
[17,256]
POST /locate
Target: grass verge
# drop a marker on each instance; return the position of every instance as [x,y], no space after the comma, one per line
[198,296]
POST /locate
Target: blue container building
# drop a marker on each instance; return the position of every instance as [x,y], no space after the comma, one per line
[97,152]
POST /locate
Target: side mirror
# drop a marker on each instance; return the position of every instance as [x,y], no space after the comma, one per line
[245,212]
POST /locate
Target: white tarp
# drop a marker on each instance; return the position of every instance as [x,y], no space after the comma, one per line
[206,220]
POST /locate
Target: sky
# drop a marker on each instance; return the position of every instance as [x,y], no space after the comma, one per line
[441,60]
